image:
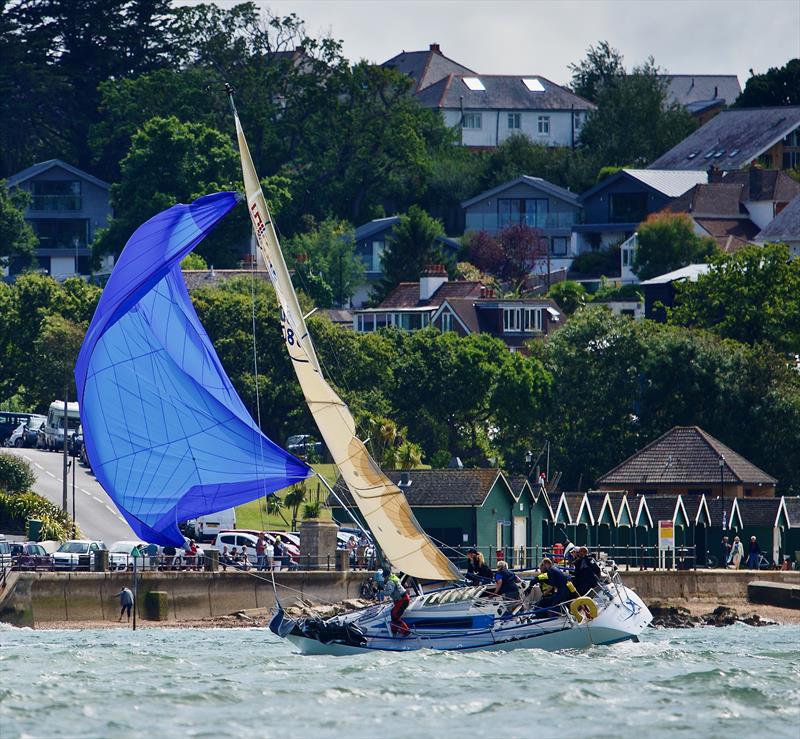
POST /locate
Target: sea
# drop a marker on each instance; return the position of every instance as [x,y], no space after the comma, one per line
[737,681]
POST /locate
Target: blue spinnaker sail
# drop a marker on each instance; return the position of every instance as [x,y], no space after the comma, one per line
[167,435]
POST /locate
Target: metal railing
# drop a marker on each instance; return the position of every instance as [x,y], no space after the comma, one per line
[493,222]
[56,203]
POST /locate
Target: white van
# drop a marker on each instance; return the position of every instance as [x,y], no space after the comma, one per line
[205,528]
[54,426]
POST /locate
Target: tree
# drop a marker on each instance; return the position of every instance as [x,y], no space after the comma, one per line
[777,86]
[412,246]
[666,242]
[524,248]
[328,250]
[601,66]
[633,123]
[59,341]
[485,252]
[16,235]
[172,162]
[569,295]
[193,261]
[752,295]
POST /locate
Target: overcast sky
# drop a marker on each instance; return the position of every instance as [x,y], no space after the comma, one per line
[543,37]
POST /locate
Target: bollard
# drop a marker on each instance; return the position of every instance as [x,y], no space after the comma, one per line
[211,560]
[100,562]
[156,605]
[342,560]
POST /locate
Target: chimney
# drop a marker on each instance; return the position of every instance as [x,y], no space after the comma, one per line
[483,291]
[716,92]
[435,48]
[405,480]
[753,182]
[715,174]
[431,279]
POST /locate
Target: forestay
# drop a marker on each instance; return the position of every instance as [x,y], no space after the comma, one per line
[167,435]
[380,501]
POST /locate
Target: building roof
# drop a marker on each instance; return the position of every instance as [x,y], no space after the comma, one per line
[716,199]
[686,89]
[464,309]
[785,226]
[37,169]
[500,92]
[667,182]
[793,509]
[759,511]
[691,272]
[537,182]
[406,294]
[731,139]
[730,234]
[339,316]
[425,67]
[377,225]
[196,278]
[685,455]
[446,487]
[764,184]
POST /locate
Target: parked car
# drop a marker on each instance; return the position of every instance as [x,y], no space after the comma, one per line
[120,555]
[5,552]
[205,528]
[10,420]
[17,436]
[305,446]
[249,537]
[77,554]
[30,555]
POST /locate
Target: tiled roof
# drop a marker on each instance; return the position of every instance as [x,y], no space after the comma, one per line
[759,511]
[502,92]
[715,510]
[793,509]
[516,483]
[684,455]
[713,199]
[693,88]
[375,226]
[425,67]
[464,308]
[573,501]
[339,316]
[661,507]
[196,278]
[447,487]
[406,294]
[40,167]
[731,139]
[730,235]
[764,184]
[785,226]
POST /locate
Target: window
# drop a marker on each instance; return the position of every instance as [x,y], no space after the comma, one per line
[471,120]
[56,195]
[532,319]
[514,120]
[627,207]
[544,125]
[365,322]
[511,320]
[529,211]
[559,246]
[793,139]
[791,159]
[62,233]
[577,120]
[447,321]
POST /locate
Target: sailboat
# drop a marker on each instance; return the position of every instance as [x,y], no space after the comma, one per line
[452,617]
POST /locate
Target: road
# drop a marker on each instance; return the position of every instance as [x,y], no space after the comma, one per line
[96,513]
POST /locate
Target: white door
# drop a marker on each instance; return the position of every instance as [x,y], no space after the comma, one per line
[520,540]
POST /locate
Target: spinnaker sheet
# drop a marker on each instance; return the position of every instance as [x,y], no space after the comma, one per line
[166,433]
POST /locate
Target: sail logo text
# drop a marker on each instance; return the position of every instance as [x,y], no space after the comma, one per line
[257,221]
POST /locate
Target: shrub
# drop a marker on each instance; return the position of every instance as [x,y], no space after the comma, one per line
[605,262]
[569,295]
[440,459]
[16,475]
[16,510]
[311,510]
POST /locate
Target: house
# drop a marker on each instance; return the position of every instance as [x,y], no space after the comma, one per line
[735,138]
[371,239]
[784,228]
[703,95]
[688,461]
[614,207]
[67,208]
[488,109]
[530,201]
[659,291]
[200,278]
[463,306]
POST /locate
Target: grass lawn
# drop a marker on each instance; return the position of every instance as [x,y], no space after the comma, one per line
[254,516]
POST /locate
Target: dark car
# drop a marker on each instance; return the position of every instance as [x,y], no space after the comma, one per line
[32,430]
[75,443]
[9,420]
[30,556]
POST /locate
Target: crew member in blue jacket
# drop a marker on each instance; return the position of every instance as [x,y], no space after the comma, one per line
[563,589]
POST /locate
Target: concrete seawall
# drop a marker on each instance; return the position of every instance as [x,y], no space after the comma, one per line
[34,598]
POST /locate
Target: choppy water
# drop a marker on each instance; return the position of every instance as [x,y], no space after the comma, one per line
[735,681]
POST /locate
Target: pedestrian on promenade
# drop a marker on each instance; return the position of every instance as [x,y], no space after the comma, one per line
[725,552]
[277,552]
[125,601]
[363,543]
[352,546]
[753,554]
[261,552]
[737,553]
[245,557]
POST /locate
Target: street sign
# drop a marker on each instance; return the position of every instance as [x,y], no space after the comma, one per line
[666,535]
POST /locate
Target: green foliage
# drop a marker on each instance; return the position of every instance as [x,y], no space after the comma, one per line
[327,252]
[440,459]
[633,124]
[777,86]
[59,342]
[16,235]
[16,474]
[604,262]
[193,261]
[667,242]
[17,509]
[569,295]
[607,172]
[624,292]
[752,295]
[312,510]
[411,247]
[601,67]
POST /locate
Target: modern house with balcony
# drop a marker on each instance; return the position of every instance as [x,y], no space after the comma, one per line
[67,208]
[371,239]
[533,202]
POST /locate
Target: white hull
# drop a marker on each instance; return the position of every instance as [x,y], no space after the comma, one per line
[621,616]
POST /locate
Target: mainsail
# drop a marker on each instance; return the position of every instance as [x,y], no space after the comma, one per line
[380,501]
[167,435]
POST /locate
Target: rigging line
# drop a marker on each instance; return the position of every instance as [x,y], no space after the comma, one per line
[352,515]
[253,261]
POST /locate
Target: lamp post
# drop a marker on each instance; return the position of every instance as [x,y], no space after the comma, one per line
[722,485]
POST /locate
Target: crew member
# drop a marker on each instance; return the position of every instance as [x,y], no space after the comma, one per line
[395,591]
[563,589]
[587,571]
[478,571]
[507,582]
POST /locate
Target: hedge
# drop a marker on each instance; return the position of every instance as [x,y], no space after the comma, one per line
[16,474]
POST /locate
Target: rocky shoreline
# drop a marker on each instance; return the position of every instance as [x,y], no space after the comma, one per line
[678,617]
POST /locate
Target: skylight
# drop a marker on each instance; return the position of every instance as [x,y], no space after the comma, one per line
[719,154]
[733,153]
[533,84]
[693,155]
[474,84]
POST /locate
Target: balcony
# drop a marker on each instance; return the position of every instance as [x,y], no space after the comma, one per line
[545,221]
[52,203]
